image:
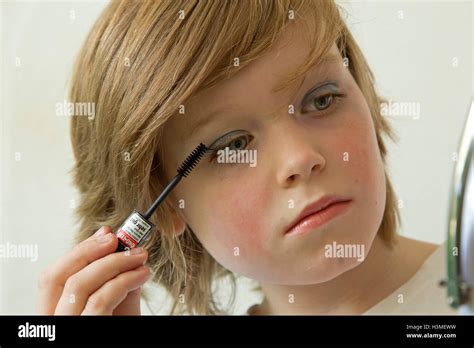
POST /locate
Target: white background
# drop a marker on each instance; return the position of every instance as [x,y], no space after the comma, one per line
[412,59]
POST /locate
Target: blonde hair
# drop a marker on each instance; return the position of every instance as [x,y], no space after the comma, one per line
[139,63]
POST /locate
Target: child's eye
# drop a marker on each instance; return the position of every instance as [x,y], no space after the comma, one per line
[324,102]
[239,143]
[236,144]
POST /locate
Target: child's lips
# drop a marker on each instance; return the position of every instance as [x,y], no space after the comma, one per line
[318,213]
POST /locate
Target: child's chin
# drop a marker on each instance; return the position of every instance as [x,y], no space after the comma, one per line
[333,269]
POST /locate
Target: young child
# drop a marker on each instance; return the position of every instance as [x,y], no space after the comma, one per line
[280,83]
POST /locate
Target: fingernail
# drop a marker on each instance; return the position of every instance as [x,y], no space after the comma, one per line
[105,238]
[136,251]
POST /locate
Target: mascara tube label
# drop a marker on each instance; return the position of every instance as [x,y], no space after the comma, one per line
[134,230]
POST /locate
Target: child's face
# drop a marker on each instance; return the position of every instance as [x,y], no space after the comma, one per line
[238,211]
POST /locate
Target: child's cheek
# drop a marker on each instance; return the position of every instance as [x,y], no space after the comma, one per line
[238,225]
[364,168]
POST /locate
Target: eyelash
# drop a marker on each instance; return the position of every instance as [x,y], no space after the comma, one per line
[337,98]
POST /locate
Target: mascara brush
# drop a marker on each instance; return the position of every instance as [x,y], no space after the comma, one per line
[137,227]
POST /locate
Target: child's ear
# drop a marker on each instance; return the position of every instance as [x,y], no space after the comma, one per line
[179,224]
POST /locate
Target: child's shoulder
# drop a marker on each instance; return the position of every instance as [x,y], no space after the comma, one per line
[417,247]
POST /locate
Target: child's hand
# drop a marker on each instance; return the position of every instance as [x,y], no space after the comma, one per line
[92,279]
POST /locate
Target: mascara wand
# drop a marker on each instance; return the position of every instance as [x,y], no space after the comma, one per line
[137,227]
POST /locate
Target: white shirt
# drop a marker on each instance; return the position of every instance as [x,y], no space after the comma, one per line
[421,294]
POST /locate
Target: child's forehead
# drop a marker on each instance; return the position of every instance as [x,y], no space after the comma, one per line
[266,73]
[259,83]
[247,87]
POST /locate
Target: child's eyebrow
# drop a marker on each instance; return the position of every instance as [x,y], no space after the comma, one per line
[208,117]
[328,59]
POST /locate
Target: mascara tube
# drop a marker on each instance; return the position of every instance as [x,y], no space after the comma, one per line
[136,229]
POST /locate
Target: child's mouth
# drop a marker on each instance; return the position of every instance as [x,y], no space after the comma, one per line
[318,214]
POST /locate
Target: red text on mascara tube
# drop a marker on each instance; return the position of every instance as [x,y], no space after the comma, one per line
[134,230]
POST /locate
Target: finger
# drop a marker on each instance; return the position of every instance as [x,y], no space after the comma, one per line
[130,305]
[101,231]
[88,280]
[115,291]
[52,280]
